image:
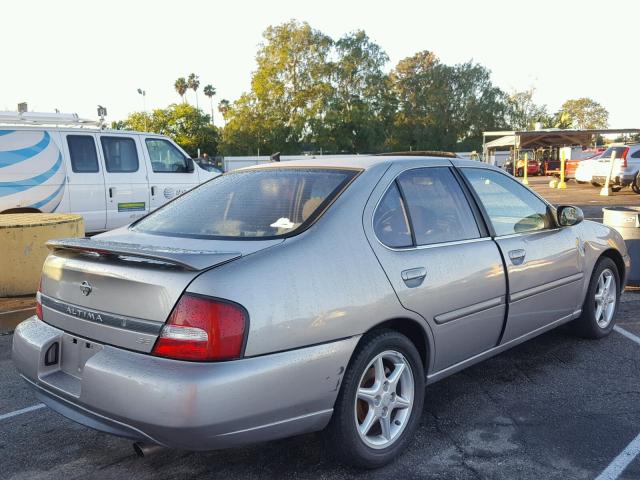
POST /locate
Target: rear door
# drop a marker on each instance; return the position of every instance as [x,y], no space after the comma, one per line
[125,179]
[440,261]
[544,263]
[85,180]
[169,175]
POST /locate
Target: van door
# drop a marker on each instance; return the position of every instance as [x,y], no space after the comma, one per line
[171,173]
[85,180]
[125,179]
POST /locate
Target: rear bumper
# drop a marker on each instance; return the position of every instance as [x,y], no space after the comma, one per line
[187,405]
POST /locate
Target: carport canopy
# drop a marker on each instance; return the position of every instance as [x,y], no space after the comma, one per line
[551,137]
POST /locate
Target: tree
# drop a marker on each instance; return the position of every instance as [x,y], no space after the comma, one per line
[290,90]
[443,107]
[210,92]
[522,112]
[361,106]
[585,113]
[223,107]
[181,87]
[193,82]
[562,120]
[188,126]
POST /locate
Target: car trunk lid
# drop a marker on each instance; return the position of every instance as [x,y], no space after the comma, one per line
[119,289]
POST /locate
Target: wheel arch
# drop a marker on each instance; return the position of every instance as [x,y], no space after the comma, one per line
[616,257]
[21,210]
[415,331]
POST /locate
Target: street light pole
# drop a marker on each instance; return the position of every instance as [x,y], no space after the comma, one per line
[144,105]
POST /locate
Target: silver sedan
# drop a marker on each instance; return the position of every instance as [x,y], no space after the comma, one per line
[310,295]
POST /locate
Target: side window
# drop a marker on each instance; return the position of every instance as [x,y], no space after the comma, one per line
[390,222]
[510,206]
[636,154]
[120,155]
[82,150]
[165,157]
[438,209]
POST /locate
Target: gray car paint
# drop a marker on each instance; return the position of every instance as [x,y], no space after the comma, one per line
[310,297]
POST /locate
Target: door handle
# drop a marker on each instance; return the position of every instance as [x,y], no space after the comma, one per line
[111,192]
[413,277]
[517,256]
[153,191]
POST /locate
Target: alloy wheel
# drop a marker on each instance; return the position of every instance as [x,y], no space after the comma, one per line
[605,298]
[384,399]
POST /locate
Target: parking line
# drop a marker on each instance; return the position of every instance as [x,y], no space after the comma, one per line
[21,411]
[622,461]
[627,334]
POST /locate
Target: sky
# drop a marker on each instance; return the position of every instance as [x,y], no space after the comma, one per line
[74,55]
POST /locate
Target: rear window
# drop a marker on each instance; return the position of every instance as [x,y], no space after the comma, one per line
[255,204]
[620,151]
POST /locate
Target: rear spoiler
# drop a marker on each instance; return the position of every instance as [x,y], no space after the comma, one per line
[188,259]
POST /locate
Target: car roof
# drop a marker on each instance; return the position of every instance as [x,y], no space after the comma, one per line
[365,162]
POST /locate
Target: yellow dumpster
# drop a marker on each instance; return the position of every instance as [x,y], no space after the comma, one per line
[22,247]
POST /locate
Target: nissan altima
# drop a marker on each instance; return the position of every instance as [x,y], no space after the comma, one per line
[310,295]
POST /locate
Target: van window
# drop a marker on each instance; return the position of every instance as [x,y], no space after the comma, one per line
[165,157]
[83,154]
[120,154]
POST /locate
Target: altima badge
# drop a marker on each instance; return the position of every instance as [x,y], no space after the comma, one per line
[85,288]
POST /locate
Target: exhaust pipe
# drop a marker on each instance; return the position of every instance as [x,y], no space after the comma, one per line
[146,449]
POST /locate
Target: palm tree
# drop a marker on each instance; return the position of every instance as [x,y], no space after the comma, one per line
[181,87]
[193,82]
[223,106]
[210,91]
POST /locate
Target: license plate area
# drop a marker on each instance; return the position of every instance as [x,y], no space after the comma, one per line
[75,351]
[73,354]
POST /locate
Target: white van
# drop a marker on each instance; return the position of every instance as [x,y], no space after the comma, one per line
[111,177]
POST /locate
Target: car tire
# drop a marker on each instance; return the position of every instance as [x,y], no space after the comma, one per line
[616,188]
[635,185]
[373,395]
[580,182]
[599,316]
[596,184]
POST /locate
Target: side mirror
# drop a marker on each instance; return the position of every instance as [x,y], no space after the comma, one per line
[569,215]
[190,165]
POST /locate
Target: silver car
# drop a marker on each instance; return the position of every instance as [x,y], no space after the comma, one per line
[310,295]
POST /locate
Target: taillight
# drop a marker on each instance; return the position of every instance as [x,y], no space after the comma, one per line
[39,301]
[624,156]
[202,329]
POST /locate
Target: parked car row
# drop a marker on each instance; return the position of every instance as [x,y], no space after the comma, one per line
[595,169]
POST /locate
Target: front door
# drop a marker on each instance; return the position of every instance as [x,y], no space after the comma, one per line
[543,261]
[126,182]
[169,174]
[439,260]
[85,180]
